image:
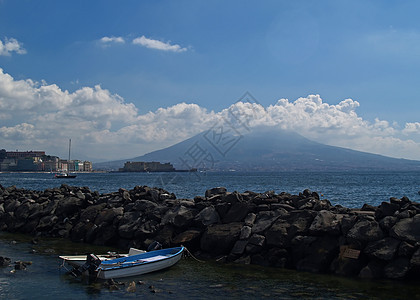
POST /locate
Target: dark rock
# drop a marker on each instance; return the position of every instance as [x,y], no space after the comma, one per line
[239,247]
[179,216]
[4,261]
[398,268]
[68,206]
[237,212]
[415,260]
[250,219]
[220,238]
[326,222]
[365,230]
[347,266]
[386,209]
[215,191]
[322,205]
[405,249]
[186,237]
[255,244]
[315,254]
[108,215]
[245,232]
[277,235]
[384,249]
[264,220]
[407,229]
[300,221]
[373,270]
[388,222]
[208,216]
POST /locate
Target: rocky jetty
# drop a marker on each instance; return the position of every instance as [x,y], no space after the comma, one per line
[301,232]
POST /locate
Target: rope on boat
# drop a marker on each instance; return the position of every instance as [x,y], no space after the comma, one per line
[188,253]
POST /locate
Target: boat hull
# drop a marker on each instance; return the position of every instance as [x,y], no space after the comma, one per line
[139,264]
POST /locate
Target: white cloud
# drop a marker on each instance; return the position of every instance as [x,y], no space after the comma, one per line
[158,45]
[412,128]
[106,41]
[103,126]
[9,46]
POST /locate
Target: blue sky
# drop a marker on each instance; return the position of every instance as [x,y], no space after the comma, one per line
[115,66]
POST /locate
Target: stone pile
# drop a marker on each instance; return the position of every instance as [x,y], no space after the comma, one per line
[300,232]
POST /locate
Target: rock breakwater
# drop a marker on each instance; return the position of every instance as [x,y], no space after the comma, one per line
[301,232]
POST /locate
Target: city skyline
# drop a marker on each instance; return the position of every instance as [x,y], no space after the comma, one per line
[122,80]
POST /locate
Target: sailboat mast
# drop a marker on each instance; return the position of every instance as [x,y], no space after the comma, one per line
[69,155]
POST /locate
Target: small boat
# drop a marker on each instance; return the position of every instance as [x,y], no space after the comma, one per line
[65,175]
[138,264]
[79,260]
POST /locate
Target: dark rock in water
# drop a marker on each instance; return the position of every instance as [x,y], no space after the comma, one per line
[4,261]
[21,265]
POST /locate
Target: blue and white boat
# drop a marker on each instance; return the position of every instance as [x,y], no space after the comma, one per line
[139,264]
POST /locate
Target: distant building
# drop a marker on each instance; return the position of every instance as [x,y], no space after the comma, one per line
[141,166]
[33,161]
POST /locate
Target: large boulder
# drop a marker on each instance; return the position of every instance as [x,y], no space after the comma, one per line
[407,229]
[314,254]
[208,216]
[384,249]
[365,230]
[220,238]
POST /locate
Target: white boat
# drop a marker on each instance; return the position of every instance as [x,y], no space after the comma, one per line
[66,174]
[139,264]
[79,260]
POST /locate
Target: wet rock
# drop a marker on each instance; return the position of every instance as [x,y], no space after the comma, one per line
[4,261]
[131,287]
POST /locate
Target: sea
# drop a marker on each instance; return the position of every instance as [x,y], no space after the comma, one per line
[46,278]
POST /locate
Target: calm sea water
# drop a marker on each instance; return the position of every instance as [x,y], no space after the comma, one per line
[190,279]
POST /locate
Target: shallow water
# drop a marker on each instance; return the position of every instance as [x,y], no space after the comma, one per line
[189,279]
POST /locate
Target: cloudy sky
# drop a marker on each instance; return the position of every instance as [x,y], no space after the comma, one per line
[123,78]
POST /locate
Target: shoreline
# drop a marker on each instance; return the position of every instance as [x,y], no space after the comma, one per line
[301,232]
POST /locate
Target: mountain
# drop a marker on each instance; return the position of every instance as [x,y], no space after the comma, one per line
[266,149]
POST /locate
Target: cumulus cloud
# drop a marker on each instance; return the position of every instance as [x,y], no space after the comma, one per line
[106,41]
[103,125]
[158,45]
[9,46]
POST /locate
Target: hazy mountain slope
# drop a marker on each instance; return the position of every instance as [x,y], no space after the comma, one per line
[269,149]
